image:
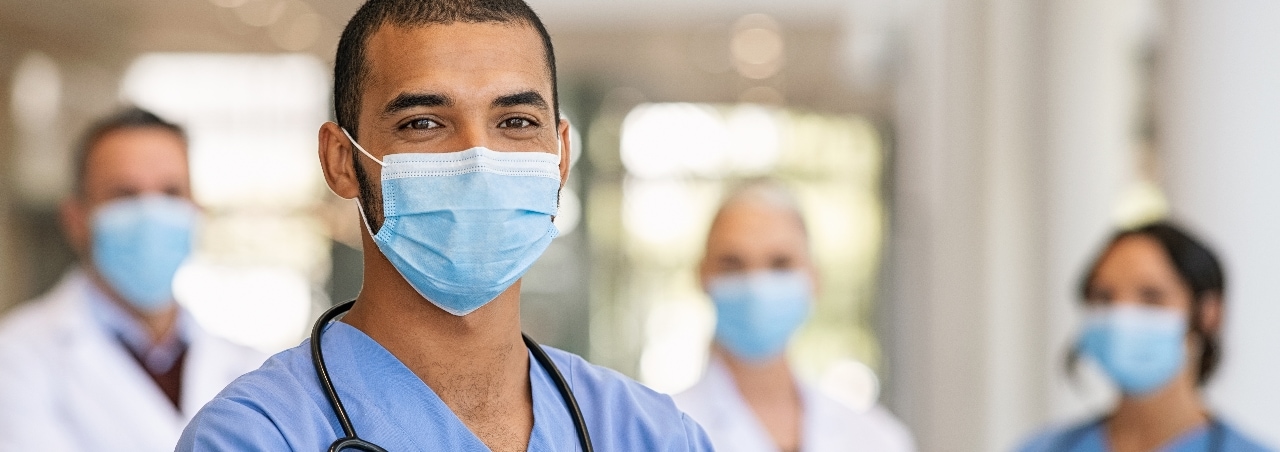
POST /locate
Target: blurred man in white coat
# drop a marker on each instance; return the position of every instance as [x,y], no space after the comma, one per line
[106,360]
[760,276]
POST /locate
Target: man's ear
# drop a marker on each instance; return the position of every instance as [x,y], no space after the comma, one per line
[565,149]
[74,215]
[335,161]
[1211,313]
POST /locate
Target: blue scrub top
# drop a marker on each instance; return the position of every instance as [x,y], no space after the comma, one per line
[1090,437]
[281,406]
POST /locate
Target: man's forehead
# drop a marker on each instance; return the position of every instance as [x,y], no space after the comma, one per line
[136,152]
[395,54]
[126,142]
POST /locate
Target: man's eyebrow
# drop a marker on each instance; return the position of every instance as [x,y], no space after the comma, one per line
[406,101]
[524,98]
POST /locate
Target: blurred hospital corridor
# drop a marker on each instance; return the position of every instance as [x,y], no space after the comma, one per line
[959,166]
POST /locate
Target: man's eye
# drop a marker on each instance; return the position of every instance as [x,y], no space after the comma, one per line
[422,124]
[516,123]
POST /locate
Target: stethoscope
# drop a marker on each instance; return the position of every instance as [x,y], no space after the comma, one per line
[1217,435]
[353,441]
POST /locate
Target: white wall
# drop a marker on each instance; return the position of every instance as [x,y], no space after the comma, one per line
[966,285]
[1014,142]
[1219,130]
[1016,127]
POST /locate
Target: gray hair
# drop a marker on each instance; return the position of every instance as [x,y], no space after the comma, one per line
[764,191]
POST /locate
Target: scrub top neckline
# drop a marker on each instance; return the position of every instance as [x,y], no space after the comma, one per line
[384,386]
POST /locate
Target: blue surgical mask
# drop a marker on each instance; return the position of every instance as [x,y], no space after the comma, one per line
[757,312]
[138,245]
[462,227]
[1139,347]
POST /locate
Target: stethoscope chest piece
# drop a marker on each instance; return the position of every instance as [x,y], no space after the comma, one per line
[352,443]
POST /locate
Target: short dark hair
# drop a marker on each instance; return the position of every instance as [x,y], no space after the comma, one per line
[350,68]
[127,118]
[1197,267]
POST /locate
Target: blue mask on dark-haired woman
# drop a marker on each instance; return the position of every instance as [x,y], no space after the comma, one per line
[1140,347]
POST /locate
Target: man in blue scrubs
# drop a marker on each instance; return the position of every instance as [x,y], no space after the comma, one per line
[450,105]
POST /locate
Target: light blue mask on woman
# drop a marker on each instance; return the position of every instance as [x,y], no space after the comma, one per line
[757,312]
[462,227]
[1139,347]
[138,245]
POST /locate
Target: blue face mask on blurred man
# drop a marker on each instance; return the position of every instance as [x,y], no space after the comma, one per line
[757,312]
[138,245]
[462,227]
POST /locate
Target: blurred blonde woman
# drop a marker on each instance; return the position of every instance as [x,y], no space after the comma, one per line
[1154,308]
[761,279]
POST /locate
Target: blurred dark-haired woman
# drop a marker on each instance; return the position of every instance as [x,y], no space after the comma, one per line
[1154,308]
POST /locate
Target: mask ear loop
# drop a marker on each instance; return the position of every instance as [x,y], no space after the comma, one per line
[360,205]
[361,148]
[559,161]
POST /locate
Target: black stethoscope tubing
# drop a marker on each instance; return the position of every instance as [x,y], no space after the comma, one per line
[353,441]
[1217,435]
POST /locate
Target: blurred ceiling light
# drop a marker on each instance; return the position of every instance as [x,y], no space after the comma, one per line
[228,3]
[261,13]
[36,92]
[660,213]
[182,83]
[754,139]
[764,95]
[298,32]
[677,139]
[757,46]
[662,140]
[252,121]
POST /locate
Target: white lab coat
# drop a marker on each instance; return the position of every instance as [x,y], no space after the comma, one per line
[67,385]
[828,425]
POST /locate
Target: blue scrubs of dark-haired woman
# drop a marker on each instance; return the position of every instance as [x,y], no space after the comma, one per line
[1153,317]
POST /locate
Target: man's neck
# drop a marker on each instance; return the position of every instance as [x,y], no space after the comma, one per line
[477,364]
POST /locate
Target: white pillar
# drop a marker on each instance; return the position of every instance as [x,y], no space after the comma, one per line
[966,273]
[1013,135]
[934,337]
[1091,73]
[1219,135]
[1014,220]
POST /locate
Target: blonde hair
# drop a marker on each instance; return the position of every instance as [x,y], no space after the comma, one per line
[765,191]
